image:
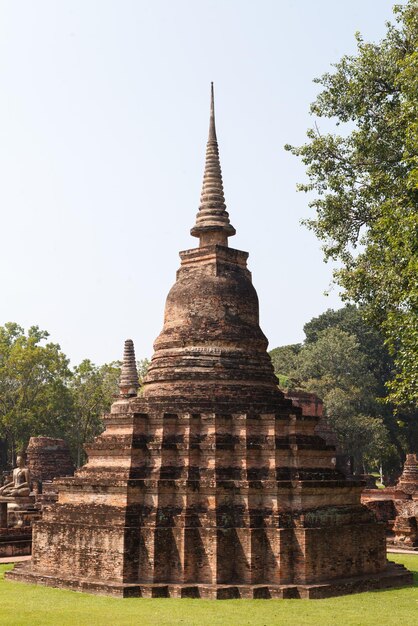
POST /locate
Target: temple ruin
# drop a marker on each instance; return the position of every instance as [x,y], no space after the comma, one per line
[28,489]
[48,458]
[397,506]
[17,512]
[210,483]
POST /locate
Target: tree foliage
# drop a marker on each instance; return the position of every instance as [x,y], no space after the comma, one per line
[365,184]
[346,363]
[34,397]
[284,360]
[335,368]
[142,367]
[371,342]
[92,390]
[41,395]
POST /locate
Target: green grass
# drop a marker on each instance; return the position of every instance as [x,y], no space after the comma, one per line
[30,605]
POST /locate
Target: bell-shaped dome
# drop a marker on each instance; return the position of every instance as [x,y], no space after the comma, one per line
[211,345]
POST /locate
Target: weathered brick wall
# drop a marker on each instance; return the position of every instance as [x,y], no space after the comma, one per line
[48,458]
[340,552]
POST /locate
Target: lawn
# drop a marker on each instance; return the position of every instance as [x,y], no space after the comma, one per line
[27,605]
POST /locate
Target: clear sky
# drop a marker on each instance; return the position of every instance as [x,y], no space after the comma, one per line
[104,115]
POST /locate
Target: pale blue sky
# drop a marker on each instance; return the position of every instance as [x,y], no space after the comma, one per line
[103,124]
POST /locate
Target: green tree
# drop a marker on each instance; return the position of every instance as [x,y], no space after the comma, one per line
[371,341]
[92,389]
[142,366]
[402,426]
[365,181]
[34,398]
[284,360]
[335,368]
[40,395]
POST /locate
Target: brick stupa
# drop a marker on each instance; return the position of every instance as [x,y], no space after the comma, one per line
[210,483]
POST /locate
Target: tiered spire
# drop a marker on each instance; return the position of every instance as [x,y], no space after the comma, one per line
[128,381]
[212,221]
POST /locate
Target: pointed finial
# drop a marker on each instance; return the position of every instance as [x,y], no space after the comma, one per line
[128,381]
[212,221]
[212,129]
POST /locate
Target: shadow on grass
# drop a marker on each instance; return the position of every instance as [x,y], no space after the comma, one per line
[410,561]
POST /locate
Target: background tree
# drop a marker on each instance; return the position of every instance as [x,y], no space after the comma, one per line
[370,340]
[284,359]
[401,424]
[336,370]
[365,181]
[34,398]
[345,361]
[142,366]
[40,395]
[92,390]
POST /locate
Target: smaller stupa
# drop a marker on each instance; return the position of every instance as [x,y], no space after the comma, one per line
[128,382]
[408,482]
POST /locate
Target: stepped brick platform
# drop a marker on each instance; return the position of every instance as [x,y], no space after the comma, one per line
[211,483]
[393,576]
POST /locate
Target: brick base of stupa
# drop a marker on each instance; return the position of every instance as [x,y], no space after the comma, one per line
[213,505]
[393,576]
